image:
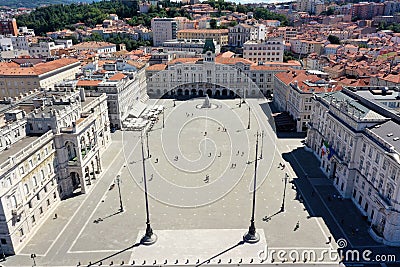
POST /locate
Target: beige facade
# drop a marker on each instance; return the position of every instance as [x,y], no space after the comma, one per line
[261,51]
[220,36]
[16,79]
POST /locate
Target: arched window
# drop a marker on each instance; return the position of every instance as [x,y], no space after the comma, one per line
[42,175]
[13,201]
[34,181]
[49,168]
[26,189]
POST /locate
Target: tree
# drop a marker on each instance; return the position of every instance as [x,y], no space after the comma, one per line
[213,23]
[333,39]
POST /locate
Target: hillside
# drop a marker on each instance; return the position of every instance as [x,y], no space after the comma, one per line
[36,3]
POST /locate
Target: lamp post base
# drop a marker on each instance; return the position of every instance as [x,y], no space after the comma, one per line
[148,240]
[251,238]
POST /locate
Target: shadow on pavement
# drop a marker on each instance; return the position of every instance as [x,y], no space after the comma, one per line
[99,262]
[320,199]
[221,253]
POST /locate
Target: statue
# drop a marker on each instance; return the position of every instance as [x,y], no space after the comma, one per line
[206,103]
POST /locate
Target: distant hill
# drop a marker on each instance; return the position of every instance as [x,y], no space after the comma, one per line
[36,3]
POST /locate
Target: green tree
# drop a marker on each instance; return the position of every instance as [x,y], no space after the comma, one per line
[333,39]
[213,23]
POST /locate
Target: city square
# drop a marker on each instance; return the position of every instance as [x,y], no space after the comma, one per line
[91,229]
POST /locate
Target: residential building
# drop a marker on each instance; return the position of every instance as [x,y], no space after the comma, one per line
[97,47]
[259,51]
[21,76]
[355,134]
[242,32]
[220,36]
[164,29]
[293,90]
[191,45]
[8,27]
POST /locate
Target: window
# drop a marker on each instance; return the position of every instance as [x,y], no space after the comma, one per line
[48,202]
[35,181]
[33,219]
[54,195]
[21,232]
[377,158]
[371,150]
[49,168]
[42,175]
[41,210]
[385,163]
[26,189]
[22,169]
[363,185]
[369,191]
[30,204]
[13,201]
[3,241]
[364,147]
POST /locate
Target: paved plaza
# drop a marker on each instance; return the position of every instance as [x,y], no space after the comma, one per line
[200,180]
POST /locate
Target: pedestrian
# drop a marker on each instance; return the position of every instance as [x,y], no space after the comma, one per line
[242,154]
[218,128]
[297,226]
[220,154]
[55,216]
[207,179]
[151,177]
[237,154]
[205,133]
[329,239]
[176,158]
[156,160]
[283,166]
[209,155]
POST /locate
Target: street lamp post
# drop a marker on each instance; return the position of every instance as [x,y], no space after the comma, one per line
[248,125]
[33,256]
[262,144]
[163,117]
[149,238]
[147,144]
[252,236]
[118,180]
[284,192]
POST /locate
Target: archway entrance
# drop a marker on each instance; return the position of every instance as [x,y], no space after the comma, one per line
[217,93]
[224,92]
[209,92]
[201,93]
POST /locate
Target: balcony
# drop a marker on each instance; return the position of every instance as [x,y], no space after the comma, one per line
[73,162]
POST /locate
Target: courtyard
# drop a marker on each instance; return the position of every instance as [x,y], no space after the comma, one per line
[200,171]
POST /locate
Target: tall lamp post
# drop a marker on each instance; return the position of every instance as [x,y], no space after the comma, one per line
[262,144]
[248,125]
[149,238]
[284,191]
[163,117]
[118,181]
[252,236]
[147,144]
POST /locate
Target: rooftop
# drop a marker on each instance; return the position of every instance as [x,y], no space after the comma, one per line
[38,69]
[17,147]
[390,132]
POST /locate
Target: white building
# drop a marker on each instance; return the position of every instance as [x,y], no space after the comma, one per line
[6,44]
[97,47]
[45,156]
[163,29]
[241,33]
[261,51]
[362,135]
[188,45]
[44,49]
